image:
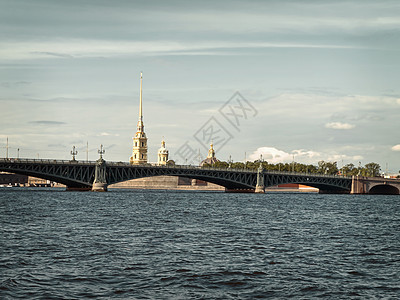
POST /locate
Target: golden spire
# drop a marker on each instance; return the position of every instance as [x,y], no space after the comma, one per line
[211,152]
[140,105]
[163,142]
[140,125]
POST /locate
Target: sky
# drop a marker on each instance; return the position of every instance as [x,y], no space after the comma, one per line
[288,80]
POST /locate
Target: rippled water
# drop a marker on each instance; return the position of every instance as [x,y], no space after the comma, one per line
[192,245]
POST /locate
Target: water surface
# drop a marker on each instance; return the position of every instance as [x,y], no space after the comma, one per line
[196,245]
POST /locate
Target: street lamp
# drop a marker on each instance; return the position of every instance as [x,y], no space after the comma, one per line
[73,153]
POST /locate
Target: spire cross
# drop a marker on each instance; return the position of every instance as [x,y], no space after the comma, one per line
[101,151]
[73,152]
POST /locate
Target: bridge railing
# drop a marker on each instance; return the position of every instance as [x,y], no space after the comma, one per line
[46,161]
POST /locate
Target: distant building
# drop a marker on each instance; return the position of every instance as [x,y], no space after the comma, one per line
[13,179]
[39,182]
[162,155]
[211,159]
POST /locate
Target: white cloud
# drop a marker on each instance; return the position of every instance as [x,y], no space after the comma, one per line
[107,134]
[274,155]
[344,157]
[339,125]
[396,147]
[271,155]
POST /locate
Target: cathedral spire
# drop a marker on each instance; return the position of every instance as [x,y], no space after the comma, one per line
[140,125]
[140,105]
[139,150]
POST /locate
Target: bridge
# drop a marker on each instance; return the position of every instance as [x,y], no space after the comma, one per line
[81,175]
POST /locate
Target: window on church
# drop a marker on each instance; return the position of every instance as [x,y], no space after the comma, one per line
[142,155]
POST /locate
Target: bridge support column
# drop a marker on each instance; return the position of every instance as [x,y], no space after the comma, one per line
[100,182]
[260,187]
[358,186]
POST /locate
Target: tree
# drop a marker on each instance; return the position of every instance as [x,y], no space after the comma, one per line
[327,167]
[322,168]
[349,170]
[372,169]
[332,168]
[237,165]
[221,165]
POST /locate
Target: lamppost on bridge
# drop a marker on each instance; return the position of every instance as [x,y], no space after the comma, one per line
[7,149]
[74,153]
[260,186]
[101,151]
[100,181]
[293,164]
[230,161]
[87,151]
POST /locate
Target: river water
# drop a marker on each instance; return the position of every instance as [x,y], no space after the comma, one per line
[197,245]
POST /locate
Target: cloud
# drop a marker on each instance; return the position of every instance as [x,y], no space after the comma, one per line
[339,125]
[274,155]
[77,48]
[54,54]
[270,154]
[14,84]
[46,122]
[107,134]
[342,157]
[396,147]
[56,146]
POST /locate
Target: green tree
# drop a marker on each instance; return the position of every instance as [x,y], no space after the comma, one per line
[221,165]
[327,168]
[372,169]
[349,170]
[237,165]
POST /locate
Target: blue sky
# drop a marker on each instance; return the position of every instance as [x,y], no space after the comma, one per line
[322,77]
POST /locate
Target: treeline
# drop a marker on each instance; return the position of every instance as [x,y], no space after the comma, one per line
[323,167]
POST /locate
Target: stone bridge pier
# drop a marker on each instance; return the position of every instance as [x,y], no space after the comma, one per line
[375,185]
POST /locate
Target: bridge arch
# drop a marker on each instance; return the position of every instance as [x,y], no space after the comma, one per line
[384,189]
[227,183]
[325,184]
[69,176]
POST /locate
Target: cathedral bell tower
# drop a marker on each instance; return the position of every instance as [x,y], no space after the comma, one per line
[162,155]
[139,150]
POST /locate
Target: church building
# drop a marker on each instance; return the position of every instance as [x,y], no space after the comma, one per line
[211,159]
[162,155]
